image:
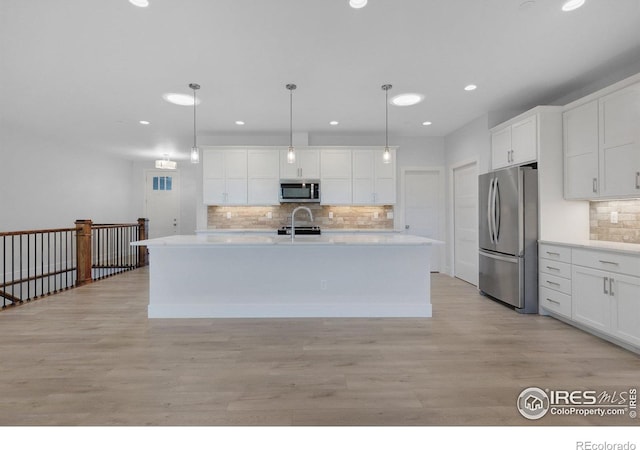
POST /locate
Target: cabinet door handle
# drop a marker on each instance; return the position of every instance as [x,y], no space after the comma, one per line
[553,301]
[595,185]
[608,262]
[552,268]
[637,180]
[611,280]
[553,253]
[553,282]
[604,285]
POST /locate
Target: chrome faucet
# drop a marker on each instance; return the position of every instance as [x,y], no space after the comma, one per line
[293,219]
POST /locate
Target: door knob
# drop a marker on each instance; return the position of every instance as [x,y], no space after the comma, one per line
[406,227]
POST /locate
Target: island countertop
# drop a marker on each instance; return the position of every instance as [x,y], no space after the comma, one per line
[262,239]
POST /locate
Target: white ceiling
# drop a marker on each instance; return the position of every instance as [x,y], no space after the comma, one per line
[82,73]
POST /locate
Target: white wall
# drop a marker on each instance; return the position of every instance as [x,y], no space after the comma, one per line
[469,143]
[46,185]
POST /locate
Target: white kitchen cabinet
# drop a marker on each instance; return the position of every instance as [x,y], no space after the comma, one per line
[224,176]
[591,299]
[374,182]
[602,146]
[263,176]
[336,177]
[606,293]
[305,167]
[620,143]
[515,143]
[580,141]
[554,279]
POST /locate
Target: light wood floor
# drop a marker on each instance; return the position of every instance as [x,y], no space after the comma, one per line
[90,356]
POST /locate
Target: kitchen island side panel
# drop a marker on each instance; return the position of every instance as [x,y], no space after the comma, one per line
[290,281]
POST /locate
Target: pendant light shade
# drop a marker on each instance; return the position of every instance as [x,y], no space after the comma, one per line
[386,156]
[195,151]
[291,153]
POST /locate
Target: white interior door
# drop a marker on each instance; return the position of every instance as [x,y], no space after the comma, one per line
[162,200]
[424,208]
[465,219]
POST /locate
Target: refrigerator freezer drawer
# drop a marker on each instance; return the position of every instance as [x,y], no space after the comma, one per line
[501,277]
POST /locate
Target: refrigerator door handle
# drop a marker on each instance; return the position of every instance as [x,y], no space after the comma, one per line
[496,206]
[505,258]
[494,212]
[489,212]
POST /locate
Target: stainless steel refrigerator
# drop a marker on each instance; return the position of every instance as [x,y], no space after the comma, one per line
[508,239]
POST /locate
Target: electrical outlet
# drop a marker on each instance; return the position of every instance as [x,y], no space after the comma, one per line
[323,285]
[330,214]
[376,214]
[614,216]
[229,215]
[269,215]
[389,215]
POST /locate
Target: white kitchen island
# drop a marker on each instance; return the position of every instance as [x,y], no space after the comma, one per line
[253,275]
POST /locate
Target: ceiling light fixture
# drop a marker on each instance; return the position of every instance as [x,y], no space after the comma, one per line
[426,123]
[166,163]
[386,156]
[179,99]
[334,123]
[470,87]
[195,151]
[139,3]
[357,4]
[291,155]
[407,99]
[571,5]
[144,122]
[239,122]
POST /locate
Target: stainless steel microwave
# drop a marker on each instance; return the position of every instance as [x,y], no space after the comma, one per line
[296,191]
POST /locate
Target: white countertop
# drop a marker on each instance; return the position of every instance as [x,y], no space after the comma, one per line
[261,239]
[621,247]
[274,230]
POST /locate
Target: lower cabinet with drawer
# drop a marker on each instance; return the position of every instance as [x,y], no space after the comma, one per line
[601,294]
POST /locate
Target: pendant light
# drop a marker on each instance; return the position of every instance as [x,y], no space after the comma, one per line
[291,155]
[195,151]
[386,156]
[166,163]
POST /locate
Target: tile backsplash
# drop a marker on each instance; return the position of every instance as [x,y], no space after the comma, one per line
[273,217]
[626,230]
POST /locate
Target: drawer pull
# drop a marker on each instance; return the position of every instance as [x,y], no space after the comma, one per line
[637,180]
[553,253]
[553,282]
[595,185]
[553,301]
[609,262]
[553,268]
[604,285]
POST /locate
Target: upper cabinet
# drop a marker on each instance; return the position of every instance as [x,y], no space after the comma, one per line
[335,180]
[224,177]
[602,146]
[374,181]
[263,181]
[514,143]
[305,167]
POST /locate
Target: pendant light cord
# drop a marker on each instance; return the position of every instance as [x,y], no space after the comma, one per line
[290,117]
[194,118]
[386,118]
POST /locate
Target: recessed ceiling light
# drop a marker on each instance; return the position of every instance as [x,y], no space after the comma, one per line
[426,123]
[139,3]
[570,5]
[239,122]
[357,4]
[470,87]
[334,122]
[407,99]
[180,99]
[144,122]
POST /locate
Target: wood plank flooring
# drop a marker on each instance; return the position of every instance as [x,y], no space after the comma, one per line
[90,356]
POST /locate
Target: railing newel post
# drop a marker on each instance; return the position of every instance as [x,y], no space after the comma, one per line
[83,252]
[143,224]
